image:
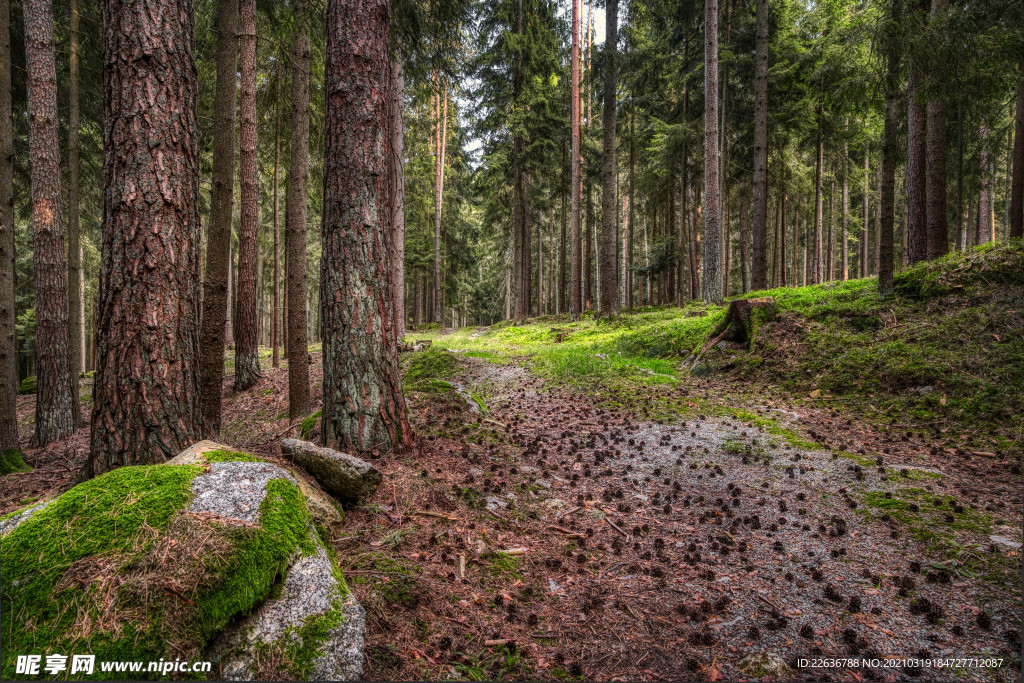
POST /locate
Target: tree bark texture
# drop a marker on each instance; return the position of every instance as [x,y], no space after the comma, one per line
[981,232]
[146,406]
[938,234]
[8,344]
[575,293]
[364,409]
[711,282]
[887,177]
[55,410]
[917,225]
[275,323]
[217,280]
[609,180]
[247,350]
[816,253]
[1017,182]
[439,152]
[759,241]
[76,321]
[397,175]
[295,221]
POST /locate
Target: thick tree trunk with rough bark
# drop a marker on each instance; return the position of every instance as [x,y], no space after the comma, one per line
[575,293]
[396,168]
[1017,181]
[758,278]
[364,409]
[217,280]
[55,411]
[295,221]
[146,391]
[76,322]
[247,350]
[938,235]
[711,282]
[887,177]
[609,179]
[8,353]
[917,226]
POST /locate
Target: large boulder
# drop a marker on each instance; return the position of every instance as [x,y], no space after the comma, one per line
[325,511]
[342,475]
[162,561]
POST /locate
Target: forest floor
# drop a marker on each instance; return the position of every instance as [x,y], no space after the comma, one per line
[574,512]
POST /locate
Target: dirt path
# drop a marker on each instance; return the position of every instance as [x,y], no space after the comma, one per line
[646,550]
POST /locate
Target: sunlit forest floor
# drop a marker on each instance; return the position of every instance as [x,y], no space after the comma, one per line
[581,506]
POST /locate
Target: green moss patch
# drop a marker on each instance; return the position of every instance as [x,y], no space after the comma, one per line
[118,567]
[224,455]
[11,461]
[308,424]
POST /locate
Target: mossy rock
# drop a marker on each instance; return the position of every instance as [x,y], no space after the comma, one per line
[11,461]
[28,385]
[156,562]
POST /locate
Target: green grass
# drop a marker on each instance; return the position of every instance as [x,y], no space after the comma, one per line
[949,348]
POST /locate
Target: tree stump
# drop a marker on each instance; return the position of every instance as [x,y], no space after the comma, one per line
[738,318]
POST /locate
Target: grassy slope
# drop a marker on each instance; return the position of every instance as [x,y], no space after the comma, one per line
[949,348]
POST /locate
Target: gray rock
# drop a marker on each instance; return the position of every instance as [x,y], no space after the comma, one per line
[765,664]
[342,475]
[235,489]
[310,591]
[14,521]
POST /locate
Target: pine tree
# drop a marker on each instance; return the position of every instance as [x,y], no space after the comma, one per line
[8,348]
[609,179]
[711,280]
[146,390]
[364,408]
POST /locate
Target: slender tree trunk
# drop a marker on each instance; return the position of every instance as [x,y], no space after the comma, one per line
[845,231]
[562,308]
[816,254]
[981,232]
[442,141]
[8,343]
[588,257]
[295,221]
[76,322]
[760,227]
[216,318]
[796,245]
[723,178]
[1017,182]
[364,409]
[55,411]
[782,237]
[247,350]
[888,172]
[917,225]
[829,242]
[527,289]
[275,322]
[609,303]
[960,228]
[146,406]
[576,265]
[397,174]
[628,257]
[863,272]
[695,245]
[938,236]
[711,281]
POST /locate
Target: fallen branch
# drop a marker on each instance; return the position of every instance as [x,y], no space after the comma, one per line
[691,365]
[616,527]
[561,530]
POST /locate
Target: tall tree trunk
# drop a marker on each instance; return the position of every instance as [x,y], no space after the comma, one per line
[845,232]
[609,303]
[295,221]
[816,253]
[960,228]
[711,281]
[275,323]
[55,411]
[574,96]
[8,343]
[1017,183]
[397,175]
[76,321]
[887,178]
[782,237]
[725,219]
[695,244]
[146,406]
[917,226]
[442,141]
[518,204]
[863,271]
[981,232]
[562,307]
[796,245]
[683,285]
[527,290]
[938,235]
[216,318]
[760,227]
[829,242]
[628,256]
[247,350]
[364,409]
[588,260]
